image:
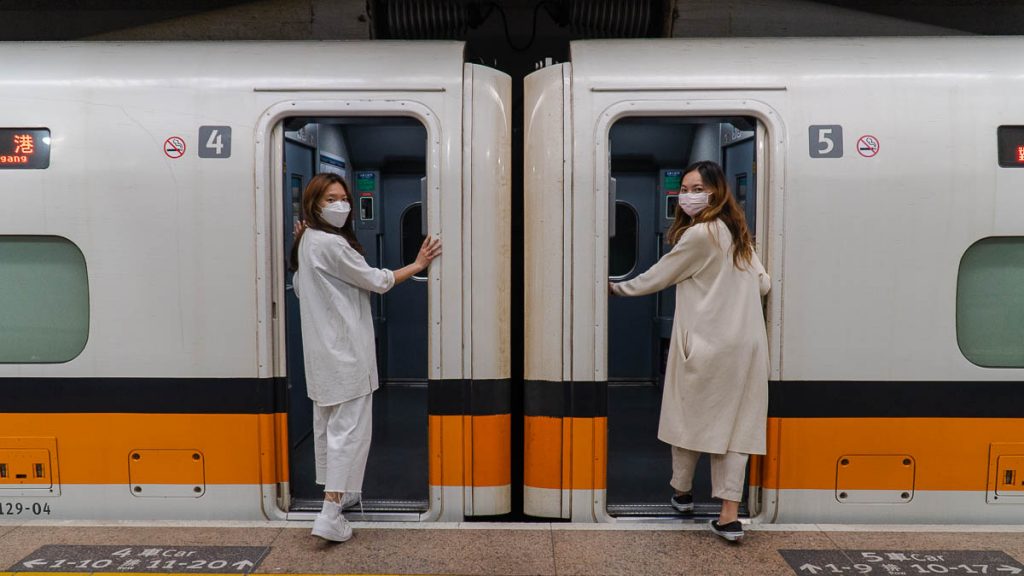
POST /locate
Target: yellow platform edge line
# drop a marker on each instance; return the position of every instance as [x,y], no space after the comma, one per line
[214,574]
[123,573]
[219,574]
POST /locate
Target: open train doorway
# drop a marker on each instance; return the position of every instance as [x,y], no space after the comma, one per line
[384,162]
[647,159]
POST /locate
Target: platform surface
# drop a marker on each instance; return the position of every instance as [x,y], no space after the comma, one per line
[513,549]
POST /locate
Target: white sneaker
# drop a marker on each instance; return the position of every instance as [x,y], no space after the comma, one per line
[349,500]
[331,525]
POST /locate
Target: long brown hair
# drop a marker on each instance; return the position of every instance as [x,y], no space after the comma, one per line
[721,205]
[312,217]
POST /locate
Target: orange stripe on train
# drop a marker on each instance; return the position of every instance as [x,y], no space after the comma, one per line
[943,453]
[470,450]
[582,463]
[98,448]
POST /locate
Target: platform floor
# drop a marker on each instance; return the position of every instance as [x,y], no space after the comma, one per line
[484,549]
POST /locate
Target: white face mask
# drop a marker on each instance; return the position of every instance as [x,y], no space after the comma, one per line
[336,213]
[693,203]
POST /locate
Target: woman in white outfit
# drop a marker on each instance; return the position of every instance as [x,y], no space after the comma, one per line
[333,283]
[715,398]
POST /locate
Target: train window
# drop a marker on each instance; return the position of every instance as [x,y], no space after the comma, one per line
[412,235]
[990,303]
[622,248]
[44,300]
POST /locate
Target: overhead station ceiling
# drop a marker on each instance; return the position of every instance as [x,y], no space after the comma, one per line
[973,16]
[77,19]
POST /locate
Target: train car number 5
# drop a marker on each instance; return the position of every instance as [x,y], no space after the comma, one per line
[825,140]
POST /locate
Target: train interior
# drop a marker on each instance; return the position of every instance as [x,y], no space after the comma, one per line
[648,155]
[383,159]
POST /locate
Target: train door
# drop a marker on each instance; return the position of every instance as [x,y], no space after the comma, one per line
[634,361]
[298,170]
[420,152]
[603,164]
[647,158]
[383,159]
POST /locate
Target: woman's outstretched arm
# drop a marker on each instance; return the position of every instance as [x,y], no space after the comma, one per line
[687,257]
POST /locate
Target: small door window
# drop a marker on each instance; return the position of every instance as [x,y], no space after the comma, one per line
[412,235]
[623,247]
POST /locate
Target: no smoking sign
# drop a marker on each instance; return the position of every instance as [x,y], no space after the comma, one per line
[867,146]
[174,147]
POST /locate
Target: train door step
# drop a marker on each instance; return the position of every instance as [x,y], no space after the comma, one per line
[701,512]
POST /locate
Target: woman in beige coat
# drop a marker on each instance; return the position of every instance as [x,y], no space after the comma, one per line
[716,383]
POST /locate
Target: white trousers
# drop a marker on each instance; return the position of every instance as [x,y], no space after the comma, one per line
[341,442]
[727,472]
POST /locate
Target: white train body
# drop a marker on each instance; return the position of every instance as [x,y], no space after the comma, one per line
[185,261]
[864,251]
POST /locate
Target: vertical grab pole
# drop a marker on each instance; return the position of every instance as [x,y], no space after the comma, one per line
[423,205]
[611,207]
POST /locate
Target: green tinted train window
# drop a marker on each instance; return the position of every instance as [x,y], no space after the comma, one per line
[990,303]
[44,300]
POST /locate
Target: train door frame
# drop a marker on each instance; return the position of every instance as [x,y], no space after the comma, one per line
[271,343]
[769,155]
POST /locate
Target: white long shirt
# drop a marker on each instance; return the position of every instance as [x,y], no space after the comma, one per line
[333,284]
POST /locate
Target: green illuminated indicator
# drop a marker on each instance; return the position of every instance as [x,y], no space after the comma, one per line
[672,181]
[366,182]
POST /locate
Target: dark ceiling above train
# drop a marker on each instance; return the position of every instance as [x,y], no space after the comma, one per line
[74,19]
[518,21]
[975,16]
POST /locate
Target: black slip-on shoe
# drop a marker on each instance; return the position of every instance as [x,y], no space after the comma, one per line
[732,531]
[682,502]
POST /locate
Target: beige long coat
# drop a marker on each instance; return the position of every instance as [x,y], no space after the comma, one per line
[716,384]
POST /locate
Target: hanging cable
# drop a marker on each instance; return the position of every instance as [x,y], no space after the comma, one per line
[552,7]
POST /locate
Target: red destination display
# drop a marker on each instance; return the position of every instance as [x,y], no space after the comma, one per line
[27,148]
[1011,146]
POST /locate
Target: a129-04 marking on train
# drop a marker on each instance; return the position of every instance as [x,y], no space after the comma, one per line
[24,508]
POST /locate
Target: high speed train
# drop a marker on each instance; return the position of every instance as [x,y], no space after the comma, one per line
[882,180]
[152,364]
[149,351]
